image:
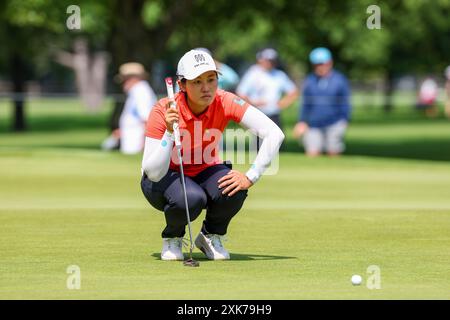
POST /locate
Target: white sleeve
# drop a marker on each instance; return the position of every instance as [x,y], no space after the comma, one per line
[288,84]
[156,159]
[272,137]
[145,100]
[244,86]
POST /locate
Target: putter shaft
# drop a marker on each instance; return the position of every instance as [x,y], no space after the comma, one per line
[190,262]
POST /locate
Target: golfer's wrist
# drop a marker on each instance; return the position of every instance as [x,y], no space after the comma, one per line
[169,135]
[252,175]
[250,182]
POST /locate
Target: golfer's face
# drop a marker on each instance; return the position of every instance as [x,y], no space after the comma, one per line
[202,89]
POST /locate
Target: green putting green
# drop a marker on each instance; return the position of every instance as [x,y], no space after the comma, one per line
[301,234]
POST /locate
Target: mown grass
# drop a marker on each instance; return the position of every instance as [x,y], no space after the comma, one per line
[301,234]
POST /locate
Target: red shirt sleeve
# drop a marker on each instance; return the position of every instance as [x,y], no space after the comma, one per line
[234,106]
[156,123]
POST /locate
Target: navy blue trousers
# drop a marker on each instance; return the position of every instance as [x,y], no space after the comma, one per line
[202,193]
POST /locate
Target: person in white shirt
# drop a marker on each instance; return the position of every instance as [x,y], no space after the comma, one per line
[139,103]
[266,87]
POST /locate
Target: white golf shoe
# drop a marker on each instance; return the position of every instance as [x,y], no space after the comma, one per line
[211,245]
[172,249]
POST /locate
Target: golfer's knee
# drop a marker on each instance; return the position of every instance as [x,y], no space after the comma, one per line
[196,201]
[237,198]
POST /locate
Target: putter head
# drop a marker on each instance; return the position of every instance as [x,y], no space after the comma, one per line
[191,263]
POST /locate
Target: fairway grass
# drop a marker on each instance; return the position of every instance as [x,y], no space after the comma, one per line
[301,234]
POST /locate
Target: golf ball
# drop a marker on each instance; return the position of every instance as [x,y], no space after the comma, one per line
[356,280]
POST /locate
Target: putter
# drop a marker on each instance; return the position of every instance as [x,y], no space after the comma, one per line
[176,132]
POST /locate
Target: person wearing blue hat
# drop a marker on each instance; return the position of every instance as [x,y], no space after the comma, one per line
[325,110]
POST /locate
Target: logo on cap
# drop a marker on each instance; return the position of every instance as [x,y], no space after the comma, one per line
[195,63]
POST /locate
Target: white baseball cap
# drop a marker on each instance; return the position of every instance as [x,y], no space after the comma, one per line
[195,63]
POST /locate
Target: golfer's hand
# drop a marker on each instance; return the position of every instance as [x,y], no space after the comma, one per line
[300,129]
[172,116]
[233,182]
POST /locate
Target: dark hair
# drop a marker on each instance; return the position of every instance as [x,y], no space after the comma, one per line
[183,80]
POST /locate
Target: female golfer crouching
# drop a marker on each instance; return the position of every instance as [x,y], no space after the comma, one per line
[202,113]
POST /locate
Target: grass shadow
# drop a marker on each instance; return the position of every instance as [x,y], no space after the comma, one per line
[427,149]
[251,257]
[434,149]
[233,256]
[60,123]
[64,123]
[434,145]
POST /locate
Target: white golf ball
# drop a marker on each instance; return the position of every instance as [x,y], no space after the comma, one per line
[356,280]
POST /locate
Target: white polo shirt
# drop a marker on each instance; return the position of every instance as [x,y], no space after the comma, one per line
[140,101]
[269,86]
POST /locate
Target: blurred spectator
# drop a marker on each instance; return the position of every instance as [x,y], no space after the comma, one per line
[228,78]
[266,87]
[130,135]
[428,93]
[447,90]
[326,109]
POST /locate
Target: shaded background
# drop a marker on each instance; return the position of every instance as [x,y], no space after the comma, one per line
[385,66]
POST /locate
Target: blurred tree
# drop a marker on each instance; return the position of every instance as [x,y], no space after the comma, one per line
[31,32]
[419,39]
[413,37]
[139,31]
[90,72]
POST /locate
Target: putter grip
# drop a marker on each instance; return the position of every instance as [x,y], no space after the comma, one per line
[170,95]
